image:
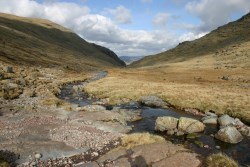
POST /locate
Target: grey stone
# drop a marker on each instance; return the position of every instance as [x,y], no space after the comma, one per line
[153,101]
[229,134]
[165,123]
[245,130]
[210,114]
[225,120]
[190,125]
[210,120]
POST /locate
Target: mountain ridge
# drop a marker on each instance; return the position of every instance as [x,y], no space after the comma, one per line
[41,42]
[232,33]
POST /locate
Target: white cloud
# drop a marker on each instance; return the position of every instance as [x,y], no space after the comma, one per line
[146,1]
[214,13]
[161,19]
[191,36]
[93,27]
[121,14]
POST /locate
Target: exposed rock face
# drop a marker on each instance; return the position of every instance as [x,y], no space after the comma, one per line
[153,101]
[190,125]
[225,120]
[166,123]
[229,134]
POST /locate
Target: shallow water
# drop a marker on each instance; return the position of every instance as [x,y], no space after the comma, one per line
[240,152]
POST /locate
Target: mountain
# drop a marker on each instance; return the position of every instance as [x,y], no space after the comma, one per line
[229,35]
[31,41]
[130,59]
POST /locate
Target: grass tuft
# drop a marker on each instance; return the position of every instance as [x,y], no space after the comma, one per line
[136,139]
[220,160]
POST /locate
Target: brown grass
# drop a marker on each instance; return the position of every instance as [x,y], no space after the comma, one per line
[195,83]
[136,139]
[219,160]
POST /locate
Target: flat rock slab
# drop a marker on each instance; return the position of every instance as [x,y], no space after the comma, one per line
[156,154]
[182,159]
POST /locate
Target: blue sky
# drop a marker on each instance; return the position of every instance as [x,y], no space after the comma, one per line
[133,27]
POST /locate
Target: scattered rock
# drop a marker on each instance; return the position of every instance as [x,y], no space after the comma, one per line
[190,125]
[153,101]
[165,123]
[225,120]
[229,134]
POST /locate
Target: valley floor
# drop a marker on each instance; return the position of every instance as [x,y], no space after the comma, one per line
[208,83]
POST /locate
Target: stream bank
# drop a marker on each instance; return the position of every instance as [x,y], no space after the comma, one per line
[203,144]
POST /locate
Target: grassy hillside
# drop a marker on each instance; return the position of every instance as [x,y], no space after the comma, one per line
[40,42]
[231,34]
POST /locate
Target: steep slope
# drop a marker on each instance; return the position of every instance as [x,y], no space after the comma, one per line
[41,42]
[231,34]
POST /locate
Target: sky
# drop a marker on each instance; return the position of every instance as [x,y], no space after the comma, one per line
[133,27]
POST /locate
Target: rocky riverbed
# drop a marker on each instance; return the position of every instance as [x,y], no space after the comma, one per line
[81,130]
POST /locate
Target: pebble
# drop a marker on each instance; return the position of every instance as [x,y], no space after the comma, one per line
[217,147]
[38,156]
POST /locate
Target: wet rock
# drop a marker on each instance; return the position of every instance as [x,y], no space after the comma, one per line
[92,108]
[179,133]
[192,136]
[229,134]
[210,114]
[153,101]
[182,159]
[190,125]
[245,130]
[165,123]
[225,120]
[210,120]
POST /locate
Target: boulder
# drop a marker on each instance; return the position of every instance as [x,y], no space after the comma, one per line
[210,120]
[190,125]
[225,120]
[166,123]
[153,101]
[229,134]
